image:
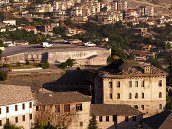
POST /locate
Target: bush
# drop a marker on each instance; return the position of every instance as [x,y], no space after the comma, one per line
[45,65]
[6,66]
[3,76]
[70,62]
[27,62]
[63,65]
[18,64]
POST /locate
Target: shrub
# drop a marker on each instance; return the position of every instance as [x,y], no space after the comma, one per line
[70,62]
[27,62]
[63,65]
[3,75]
[18,64]
[45,65]
[6,66]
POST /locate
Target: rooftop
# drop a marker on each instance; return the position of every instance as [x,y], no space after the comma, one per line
[61,97]
[162,120]
[11,94]
[114,109]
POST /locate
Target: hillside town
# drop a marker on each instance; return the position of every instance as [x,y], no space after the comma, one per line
[85,64]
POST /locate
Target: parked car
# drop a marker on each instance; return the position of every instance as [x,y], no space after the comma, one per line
[9,43]
[89,44]
[46,44]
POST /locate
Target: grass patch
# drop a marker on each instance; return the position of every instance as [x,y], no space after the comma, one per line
[24,66]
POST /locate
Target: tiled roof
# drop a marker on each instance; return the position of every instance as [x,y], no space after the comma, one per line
[11,94]
[114,109]
[61,97]
[162,120]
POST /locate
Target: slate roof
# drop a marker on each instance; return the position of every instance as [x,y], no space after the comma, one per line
[61,98]
[162,120]
[11,94]
[114,109]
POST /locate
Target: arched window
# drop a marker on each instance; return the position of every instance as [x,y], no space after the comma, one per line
[136,106]
[110,96]
[136,96]
[143,95]
[160,95]
[142,107]
[160,83]
[118,96]
[130,96]
[160,106]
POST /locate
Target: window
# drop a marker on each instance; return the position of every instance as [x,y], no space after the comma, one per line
[118,83]
[57,108]
[67,108]
[7,120]
[160,95]
[143,95]
[81,124]
[78,107]
[16,108]
[110,84]
[30,116]
[130,83]
[136,96]
[160,106]
[16,119]
[0,122]
[126,118]
[134,118]
[110,96]
[136,106]
[30,105]
[100,119]
[23,106]
[37,108]
[136,83]
[118,96]
[114,117]
[130,96]
[23,117]
[107,118]
[7,109]
[160,83]
[0,110]
[143,84]
[142,107]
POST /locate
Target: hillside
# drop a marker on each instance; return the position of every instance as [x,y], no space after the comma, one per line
[162,7]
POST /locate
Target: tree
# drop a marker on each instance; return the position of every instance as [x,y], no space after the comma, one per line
[68,22]
[3,75]
[9,125]
[1,43]
[60,30]
[1,16]
[104,9]
[44,65]
[70,62]
[92,123]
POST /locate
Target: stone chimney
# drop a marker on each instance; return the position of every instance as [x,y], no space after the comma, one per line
[147,69]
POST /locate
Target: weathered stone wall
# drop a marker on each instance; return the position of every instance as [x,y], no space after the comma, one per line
[86,57]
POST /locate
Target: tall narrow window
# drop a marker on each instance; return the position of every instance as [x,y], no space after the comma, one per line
[37,108]
[23,117]
[160,83]
[30,105]
[118,96]
[107,118]
[100,119]
[16,119]
[114,117]
[57,108]
[126,118]
[143,95]
[30,116]
[0,110]
[7,109]
[16,108]
[78,107]
[136,96]
[142,107]
[160,95]
[160,106]
[23,106]
[0,122]
[110,96]
[136,83]
[130,96]
[136,106]
[110,84]
[143,84]
[118,83]
[130,83]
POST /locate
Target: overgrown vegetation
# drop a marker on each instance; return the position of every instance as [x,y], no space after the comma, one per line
[92,123]
[68,63]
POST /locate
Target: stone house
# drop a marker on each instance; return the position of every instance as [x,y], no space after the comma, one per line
[116,116]
[142,86]
[16,105]
[70,109]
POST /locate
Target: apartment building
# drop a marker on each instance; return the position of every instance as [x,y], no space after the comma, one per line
[142,86]
[70,109]
[16,105]
[116,116]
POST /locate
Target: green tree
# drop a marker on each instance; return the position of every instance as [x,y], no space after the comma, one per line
[1,43]
[1,16]
[60,30]
[70,62]
[45,65]
[104,9]
[68,22]
[9,125]
[3,75]
[92,123]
